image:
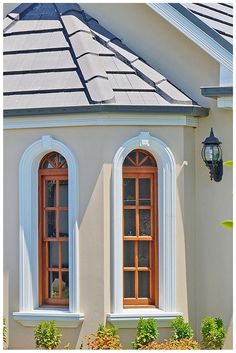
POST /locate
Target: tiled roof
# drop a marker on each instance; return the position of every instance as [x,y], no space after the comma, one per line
[56,55]
[217,16]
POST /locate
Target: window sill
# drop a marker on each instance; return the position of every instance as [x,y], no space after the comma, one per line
[62,317]
[128,318]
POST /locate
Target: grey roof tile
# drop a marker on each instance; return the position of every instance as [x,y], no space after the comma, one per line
[100,90]
[106,71]
[42,81]
[7,23]
[33,26]
[153,98]
[83,43]
[74,24]
[38,61]
[35,41]
[137,83]
[175,94]
[122,98]
[44,100]
[112,64]
[91,66]
[217,16]
[135,97]
[119,81]
[148,72]
[122,49]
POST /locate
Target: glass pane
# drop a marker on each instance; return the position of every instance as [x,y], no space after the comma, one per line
[143,284]
[132,156]
[144,192]
[53,254]
[65,285]
[50,224]
[148,162]
[50,193]
[53,284]
[129,191]
[143,253]
[63,193]
[64,252]
[129,222]
[144,222]
[63,224]
[61,161]
[129,284]
[53,159]
[129,254]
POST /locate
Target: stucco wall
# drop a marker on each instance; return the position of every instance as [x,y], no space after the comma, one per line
[94,148]
[189,67]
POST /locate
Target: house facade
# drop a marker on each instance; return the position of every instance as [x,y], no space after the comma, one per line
[109,211]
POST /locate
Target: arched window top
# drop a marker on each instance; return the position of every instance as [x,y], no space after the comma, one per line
[139,158]
[53,160]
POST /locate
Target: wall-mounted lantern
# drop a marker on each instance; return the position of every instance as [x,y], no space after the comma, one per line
[212,156]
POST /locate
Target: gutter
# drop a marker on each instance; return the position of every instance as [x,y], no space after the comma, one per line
[191,110]
[217,91]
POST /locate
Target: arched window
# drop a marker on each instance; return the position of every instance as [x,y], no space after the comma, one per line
[53,231]
[140,230]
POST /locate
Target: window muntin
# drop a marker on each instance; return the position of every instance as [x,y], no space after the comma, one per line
[140,229]
[53,231]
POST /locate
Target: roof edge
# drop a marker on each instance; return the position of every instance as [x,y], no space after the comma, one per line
[191,110]
[216,91]
[185,24]
[203,26]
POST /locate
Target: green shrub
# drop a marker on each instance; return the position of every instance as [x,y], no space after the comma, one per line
[106,337]
[213,333]
[4,332]
[47,335]
[146,332]
[181,329]
[183,344]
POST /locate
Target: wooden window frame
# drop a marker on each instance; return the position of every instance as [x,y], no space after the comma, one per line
[143,172]
[56,174]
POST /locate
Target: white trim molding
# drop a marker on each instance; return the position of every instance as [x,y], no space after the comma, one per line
[166,224]
[193,32]
[28,228]
[129,318]
[225,102]
[62,318]
[98,120]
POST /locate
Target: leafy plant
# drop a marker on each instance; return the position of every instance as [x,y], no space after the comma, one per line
[47,335]
[213,333]
[146,332]
[182,329]
[183,344]
[4,331]
[106,337]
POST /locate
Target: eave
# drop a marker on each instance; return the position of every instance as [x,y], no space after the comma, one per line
[190,110]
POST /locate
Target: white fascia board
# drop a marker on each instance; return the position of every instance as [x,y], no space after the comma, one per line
[30,122]
[194,33]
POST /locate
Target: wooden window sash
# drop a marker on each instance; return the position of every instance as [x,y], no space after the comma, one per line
[44,269]
[143,172]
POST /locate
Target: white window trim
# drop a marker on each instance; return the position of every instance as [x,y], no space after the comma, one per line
[167,229]
[29,311]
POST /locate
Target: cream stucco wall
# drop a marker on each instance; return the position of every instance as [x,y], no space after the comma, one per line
[94,148]
[189,67]
[204,249]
